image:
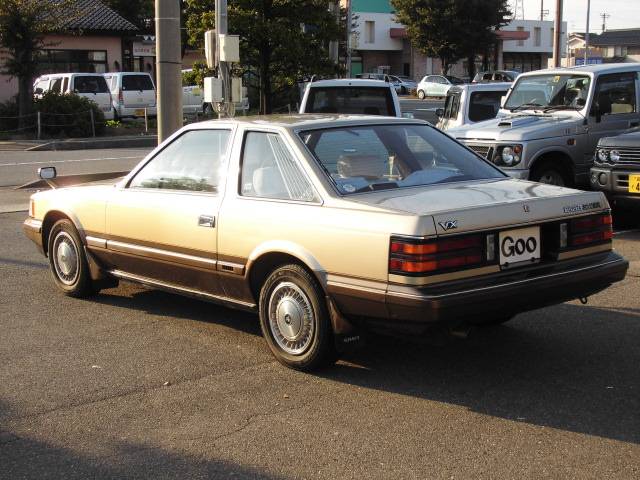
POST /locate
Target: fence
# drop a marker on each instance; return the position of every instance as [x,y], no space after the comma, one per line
[39,122]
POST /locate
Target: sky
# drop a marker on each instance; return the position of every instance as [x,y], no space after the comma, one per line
[624,13]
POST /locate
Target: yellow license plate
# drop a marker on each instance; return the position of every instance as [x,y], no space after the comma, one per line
[139,112]
[634,183]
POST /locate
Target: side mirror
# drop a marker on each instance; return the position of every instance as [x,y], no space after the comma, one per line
[439,112]
[47,173]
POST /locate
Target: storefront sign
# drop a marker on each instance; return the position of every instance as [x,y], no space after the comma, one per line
[144,49]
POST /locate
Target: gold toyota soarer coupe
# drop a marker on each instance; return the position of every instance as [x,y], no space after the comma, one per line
[328,224]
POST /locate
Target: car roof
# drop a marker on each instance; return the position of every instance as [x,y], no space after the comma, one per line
[350,82]
[307,121]
[473,87]
[596,69]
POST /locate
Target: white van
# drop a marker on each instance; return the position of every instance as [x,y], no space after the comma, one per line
[356,96]
[88,85]
[132,92]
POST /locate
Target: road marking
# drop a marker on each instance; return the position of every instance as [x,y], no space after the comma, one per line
[620,232]
[70,161]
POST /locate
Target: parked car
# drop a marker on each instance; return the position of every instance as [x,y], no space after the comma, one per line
[351,95]
[496,76]
[551,121]
[616,169]
[466,104]
[436,85]
[88,85]
[404,85]
[329,225]
[132,93]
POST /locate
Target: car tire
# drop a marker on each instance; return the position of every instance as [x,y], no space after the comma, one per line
[68,262]
[551,174]
[403,90]
[295,320]
[421,94]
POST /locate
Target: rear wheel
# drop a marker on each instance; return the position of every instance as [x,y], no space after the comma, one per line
[550,173]
[68,262]
[421,94]
[294,319]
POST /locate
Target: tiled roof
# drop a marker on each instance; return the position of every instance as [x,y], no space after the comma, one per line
[94,15]
[627,37]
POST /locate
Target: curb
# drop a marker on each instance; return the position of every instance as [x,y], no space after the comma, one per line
[95,143]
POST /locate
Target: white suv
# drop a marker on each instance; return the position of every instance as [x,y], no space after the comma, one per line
[351,95]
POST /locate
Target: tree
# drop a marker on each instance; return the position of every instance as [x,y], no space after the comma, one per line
[281,41]
[23,26]
[139,12]
[451,29]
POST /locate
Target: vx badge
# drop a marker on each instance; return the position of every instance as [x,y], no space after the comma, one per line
[449,224]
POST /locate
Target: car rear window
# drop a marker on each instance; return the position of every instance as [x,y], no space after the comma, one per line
[485,105]
[90,84]
[382,157]
[136,82]
[358,100]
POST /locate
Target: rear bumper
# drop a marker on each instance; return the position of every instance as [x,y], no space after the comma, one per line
[33,230]
[131,112]
[504,294]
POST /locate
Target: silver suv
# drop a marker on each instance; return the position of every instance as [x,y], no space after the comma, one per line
[551,120]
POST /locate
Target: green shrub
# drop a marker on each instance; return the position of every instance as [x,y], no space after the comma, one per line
[68,114]
[9,119]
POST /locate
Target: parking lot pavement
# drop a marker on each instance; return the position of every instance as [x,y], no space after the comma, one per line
[140,383]
[422,109]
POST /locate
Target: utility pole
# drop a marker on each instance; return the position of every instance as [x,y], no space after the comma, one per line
[348,60]
[557,33]
[604,16]
[223,67]
[543,12]
[586,34]
[168,67]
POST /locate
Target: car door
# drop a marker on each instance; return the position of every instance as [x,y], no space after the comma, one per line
[431,85]
[614,107]
[162,225]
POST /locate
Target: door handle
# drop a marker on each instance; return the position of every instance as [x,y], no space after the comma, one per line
[206,221]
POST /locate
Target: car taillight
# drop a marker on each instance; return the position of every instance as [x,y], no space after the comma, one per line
[585,231]
[416,256]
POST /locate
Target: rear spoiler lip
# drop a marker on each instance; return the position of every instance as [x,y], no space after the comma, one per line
[72,180]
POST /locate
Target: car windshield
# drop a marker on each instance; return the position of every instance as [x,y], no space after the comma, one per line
[549,91]
[364,100]
[381,157]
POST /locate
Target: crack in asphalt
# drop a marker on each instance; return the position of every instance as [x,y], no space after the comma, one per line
[135,391]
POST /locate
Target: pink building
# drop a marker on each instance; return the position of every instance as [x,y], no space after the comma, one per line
[97,41]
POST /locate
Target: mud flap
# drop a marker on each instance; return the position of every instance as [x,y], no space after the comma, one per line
[346,336]
[99,278]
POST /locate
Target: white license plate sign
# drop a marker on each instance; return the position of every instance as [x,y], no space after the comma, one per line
[518,246]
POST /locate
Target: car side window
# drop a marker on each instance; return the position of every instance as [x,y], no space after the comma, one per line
[192,162]
[56,85]
[616,93]
[270,171]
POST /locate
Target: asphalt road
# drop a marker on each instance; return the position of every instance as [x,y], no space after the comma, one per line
[422,109]
[137,383]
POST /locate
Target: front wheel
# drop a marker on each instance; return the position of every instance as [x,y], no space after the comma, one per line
[550,174]
[68,262]
[294,319]
[421,94]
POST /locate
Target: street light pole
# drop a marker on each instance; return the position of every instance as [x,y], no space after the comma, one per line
[557,34]
[168,67]
[348,60]
[586,34]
